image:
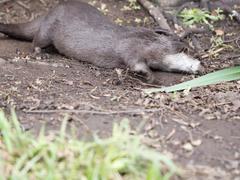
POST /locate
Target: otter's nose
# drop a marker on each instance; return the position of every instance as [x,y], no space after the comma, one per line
[201,70]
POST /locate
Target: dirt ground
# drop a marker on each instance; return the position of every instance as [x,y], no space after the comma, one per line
[199,130]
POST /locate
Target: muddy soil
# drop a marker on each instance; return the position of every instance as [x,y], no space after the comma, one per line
[199,130]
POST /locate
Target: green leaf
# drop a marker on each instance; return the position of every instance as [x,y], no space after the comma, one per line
[196,16]
[228,74]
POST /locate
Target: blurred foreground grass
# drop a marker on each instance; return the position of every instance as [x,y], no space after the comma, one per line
[63,156]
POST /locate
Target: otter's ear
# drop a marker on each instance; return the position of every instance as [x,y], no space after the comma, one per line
[160,30]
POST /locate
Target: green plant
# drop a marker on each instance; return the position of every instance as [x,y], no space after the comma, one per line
[132,5]
[195,16]
[217,42]
[228,74]
[218,45]
[62,156]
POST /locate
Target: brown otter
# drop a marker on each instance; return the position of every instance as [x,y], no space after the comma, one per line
[80,31]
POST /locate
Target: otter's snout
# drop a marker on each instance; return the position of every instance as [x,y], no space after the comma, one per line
[183,62]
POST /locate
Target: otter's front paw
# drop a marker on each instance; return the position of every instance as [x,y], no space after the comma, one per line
[142,68]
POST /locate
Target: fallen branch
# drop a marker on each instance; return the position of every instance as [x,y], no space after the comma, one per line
[135,111]
[156,13]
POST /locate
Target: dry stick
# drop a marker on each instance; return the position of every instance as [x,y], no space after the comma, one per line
[20,3]
[156,13]
[26,7]
[235,56]
[145,84]
[135,111]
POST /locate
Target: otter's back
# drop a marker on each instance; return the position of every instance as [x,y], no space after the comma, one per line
[82,32]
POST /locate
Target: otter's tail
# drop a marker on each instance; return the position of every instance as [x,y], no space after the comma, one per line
[23,31]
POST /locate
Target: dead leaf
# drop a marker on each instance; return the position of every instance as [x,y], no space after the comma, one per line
[196,142]
[194,125]
[153,133]
[188,147]
[219,32]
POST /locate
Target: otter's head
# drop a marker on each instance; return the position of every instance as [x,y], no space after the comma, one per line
[162,55]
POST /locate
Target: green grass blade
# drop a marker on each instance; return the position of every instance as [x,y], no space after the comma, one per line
[15,121]
[63,128]
[5,130]
[224,75]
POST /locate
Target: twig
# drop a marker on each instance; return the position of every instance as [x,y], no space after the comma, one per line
[156,13]
[144,84]
[26,7]
[211,53]
[20,3]
[134,111]
[83,123]
[235,56]
[232,40]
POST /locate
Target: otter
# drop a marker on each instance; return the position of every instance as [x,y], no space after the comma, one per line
[78,30]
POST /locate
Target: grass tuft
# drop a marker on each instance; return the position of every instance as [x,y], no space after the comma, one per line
[121,156]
